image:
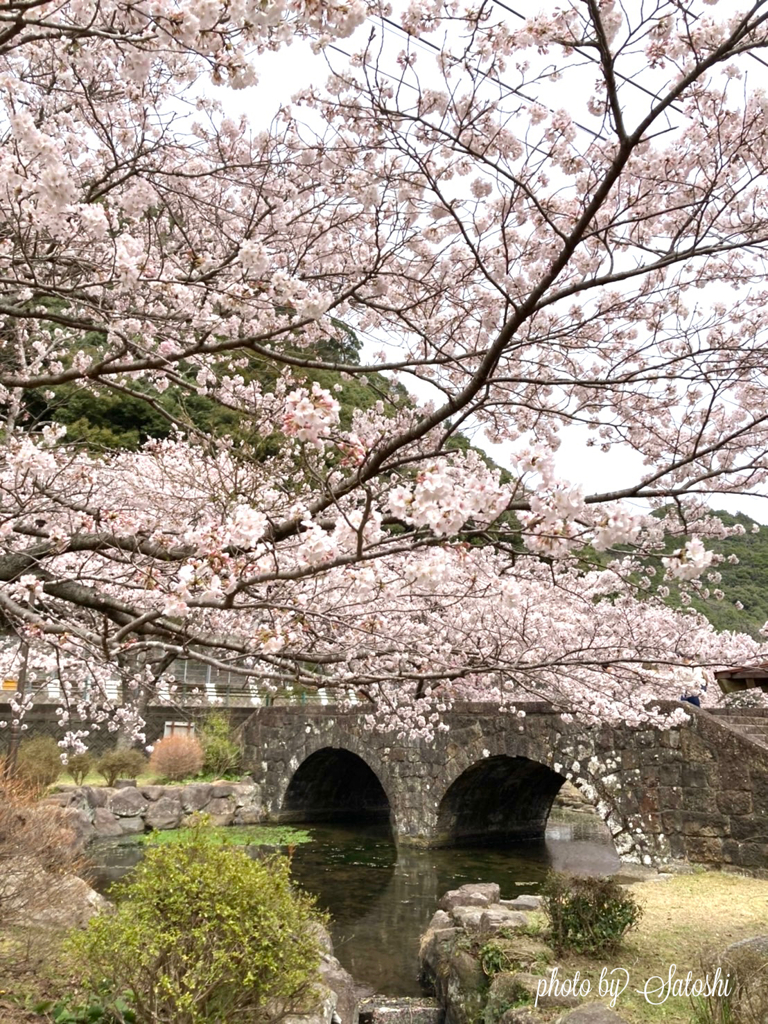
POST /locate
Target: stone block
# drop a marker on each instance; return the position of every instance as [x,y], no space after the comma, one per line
[670,775]
[164,813]
[105,823]
[131,826]
[128,802]
[435,948]
[734,801]
[96,796]
[479,894]
[468,918]
[519,1015]
[701,824]
[733,774]
[344,988]
[751,855]
[195,797]
[670,798]
[496,918]
[221,811]
[248,816]
[749,828]
[223,789]
[523,902]
[704,850]
[125,783]
[156,792]
[694,777]
[439,920]
[246,794]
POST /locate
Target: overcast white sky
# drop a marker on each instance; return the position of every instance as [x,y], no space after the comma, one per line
[293,68]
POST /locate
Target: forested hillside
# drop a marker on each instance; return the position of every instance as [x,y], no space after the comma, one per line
[745,582]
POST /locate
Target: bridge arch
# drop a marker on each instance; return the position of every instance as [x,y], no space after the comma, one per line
[502,797]
[516,769]
[336,784]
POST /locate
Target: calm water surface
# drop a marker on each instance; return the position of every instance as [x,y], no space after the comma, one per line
[381,898]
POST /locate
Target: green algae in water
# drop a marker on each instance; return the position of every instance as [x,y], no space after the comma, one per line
[235,835]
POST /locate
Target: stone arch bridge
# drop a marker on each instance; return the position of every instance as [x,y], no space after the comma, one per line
[697,793]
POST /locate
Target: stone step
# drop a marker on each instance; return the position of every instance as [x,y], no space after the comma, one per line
[751,727]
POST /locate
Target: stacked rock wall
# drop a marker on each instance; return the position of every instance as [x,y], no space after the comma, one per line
[104,812]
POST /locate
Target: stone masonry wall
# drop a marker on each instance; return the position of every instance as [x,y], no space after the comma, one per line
[103,812]
[697,793]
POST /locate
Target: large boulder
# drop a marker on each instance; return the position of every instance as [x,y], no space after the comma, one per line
[131,826]
[474,894]
[195,797]
[524,902]
[164,813]
[434,950]
[105,824]
[462,989]
[747,964]
[320,1010]
[127,803]
[496,919]
[73,905]
[343,986]
[50,899]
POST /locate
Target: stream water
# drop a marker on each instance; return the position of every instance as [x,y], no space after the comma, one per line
[381,898]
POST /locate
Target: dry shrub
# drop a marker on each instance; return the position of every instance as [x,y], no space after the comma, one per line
[745,964]
[40,851]
[78,767]
[177,757]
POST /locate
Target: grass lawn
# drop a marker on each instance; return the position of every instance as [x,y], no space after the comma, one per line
[684,919]
[147,779]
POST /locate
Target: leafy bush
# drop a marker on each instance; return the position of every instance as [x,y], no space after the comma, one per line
[177,757]
[203,934]
[38,762]
[588,915]
[222,755]
[78,766]
[493,959]
[121,764]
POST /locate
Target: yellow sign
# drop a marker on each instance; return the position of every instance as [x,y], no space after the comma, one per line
[10,684]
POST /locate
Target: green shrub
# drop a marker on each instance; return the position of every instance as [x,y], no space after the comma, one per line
[38,762]
[203,934]
[121,764]
[588,915]
[78,766]
[493,959]
[221,754]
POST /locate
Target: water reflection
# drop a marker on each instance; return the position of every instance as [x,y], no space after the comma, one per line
[381,899]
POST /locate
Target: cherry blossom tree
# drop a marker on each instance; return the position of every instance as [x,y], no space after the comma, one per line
[536,267]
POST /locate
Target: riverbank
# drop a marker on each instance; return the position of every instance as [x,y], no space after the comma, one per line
[687,921]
